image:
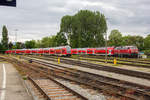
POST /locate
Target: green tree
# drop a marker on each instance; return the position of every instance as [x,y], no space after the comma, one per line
[134,40]
[45,42]
[60,39]
[38,44]
[147,42]
[126,40]
[139,42]
[10,45]
[115,38]
[1,48]
[48,42]
[84,29]
[30,44]
[147,52]
[18,45]
[66,25]
[4,41]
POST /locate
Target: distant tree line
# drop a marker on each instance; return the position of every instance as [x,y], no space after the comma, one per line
[116,39]
[84,29]
[52,41]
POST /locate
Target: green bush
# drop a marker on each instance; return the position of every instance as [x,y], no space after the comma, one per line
[147,52]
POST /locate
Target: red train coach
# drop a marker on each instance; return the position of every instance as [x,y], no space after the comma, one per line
[102,51]
[74,51]
[17,51]
[28,51]
[8,52]
[93,51]
[40,51]
[79,51]
[11,51]
[46,51]
[62,51]
[82,51]
[52,51]
[34,51]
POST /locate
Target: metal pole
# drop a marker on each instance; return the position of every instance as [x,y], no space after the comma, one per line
[106,48]
[16,35]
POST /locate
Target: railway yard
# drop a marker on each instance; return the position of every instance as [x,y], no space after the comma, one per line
[74,50]
[83,77]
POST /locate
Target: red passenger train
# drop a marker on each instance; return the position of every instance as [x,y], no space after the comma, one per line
[67,51]
[59,51]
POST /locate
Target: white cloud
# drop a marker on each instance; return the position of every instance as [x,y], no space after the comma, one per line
[39,18]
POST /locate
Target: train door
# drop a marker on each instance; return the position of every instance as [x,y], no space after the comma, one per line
[109,52]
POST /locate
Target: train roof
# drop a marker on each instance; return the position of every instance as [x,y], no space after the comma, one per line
[94,48]
[67,46]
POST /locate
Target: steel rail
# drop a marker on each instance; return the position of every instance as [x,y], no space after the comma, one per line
[39,88]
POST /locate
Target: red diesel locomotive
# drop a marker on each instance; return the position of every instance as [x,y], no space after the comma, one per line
[131,51]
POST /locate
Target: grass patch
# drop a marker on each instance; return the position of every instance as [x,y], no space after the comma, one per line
[24,78]
[116,65]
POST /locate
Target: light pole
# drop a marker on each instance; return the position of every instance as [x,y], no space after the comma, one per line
[16,35]
[106,47]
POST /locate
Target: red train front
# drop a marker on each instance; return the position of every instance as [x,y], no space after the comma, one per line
[122,51]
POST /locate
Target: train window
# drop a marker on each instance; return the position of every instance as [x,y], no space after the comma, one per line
[51,50]
[89,51]
[63,50]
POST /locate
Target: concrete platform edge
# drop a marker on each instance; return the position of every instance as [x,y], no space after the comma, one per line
[27,88]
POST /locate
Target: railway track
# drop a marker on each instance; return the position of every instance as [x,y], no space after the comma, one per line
[122,62]
[53,90]
[122,88]
[2,59]
[134,63]
[129,61]
[137,74]
[103,57]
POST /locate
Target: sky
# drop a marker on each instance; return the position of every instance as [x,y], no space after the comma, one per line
[35,19]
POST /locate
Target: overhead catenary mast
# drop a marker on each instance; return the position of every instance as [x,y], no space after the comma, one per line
[16,35]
